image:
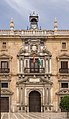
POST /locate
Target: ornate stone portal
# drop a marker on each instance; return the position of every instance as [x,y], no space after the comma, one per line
[41,85]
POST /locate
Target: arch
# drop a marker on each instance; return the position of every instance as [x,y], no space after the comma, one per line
[34,101]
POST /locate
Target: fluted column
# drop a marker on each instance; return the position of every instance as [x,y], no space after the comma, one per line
[23,95]
[49,96]
[46,65]
[19,65]
[10,66]
[17,95]
[50,65]
[23,64]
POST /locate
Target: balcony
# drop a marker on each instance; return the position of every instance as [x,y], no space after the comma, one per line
[4,70]
[34,70]
[64,70]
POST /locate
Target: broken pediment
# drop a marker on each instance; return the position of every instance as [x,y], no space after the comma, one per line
[4,56]
[6,92]
[34,80]
[63,92]
[63,56]
[45,50]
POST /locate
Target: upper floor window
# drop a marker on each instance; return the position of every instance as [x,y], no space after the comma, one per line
[64,64]
[4,64]
[34,67]
[4,85]
[63,45]
[4,67]
[4,45]
[64,85]
[64,67]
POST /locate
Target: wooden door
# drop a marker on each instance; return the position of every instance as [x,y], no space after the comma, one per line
[34,102]
[4,104]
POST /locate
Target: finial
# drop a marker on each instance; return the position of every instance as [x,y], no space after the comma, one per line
[40,27]
[27,27]
[33,12]
[12,24]
[55,24]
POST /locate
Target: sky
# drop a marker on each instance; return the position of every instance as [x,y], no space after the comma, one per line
[47,10]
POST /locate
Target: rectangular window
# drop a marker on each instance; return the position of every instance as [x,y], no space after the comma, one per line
[64,85]
[4,85]
[64,67]
[64,64]
[4,67]
[34,67]
[4,64]
[63,45]
[4,45]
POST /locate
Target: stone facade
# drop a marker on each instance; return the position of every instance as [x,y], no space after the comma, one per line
[23,77]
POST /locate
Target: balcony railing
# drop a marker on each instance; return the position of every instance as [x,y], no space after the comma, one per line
[4,70]
[34,70]
[64,70]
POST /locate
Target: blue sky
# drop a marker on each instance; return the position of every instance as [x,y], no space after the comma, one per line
[46,9]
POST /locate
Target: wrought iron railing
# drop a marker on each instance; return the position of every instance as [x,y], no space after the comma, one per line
[64,70]
[34,70]
[4,70]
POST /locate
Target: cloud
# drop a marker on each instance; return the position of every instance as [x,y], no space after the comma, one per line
[21,6]
[46,9]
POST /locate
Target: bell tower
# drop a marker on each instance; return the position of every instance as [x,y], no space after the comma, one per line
[33,18]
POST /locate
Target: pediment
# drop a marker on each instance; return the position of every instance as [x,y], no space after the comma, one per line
[34,80]
[5,56]
[6,92]
[63,56]
[63,92]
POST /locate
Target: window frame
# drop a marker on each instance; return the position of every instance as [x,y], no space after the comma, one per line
[2,85]
[63,49]
[64,83]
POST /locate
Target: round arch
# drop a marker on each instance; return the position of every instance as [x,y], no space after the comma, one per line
[34,101]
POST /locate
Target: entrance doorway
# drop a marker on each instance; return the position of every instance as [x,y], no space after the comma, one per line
[34,101]
[4,104]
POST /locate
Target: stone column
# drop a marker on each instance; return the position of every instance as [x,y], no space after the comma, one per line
[21,66]
[46,65]
[49,96]
[23,94]
[45,96]
[50,65]
[10,67]
[59,66]
[21,100]
[17,94]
